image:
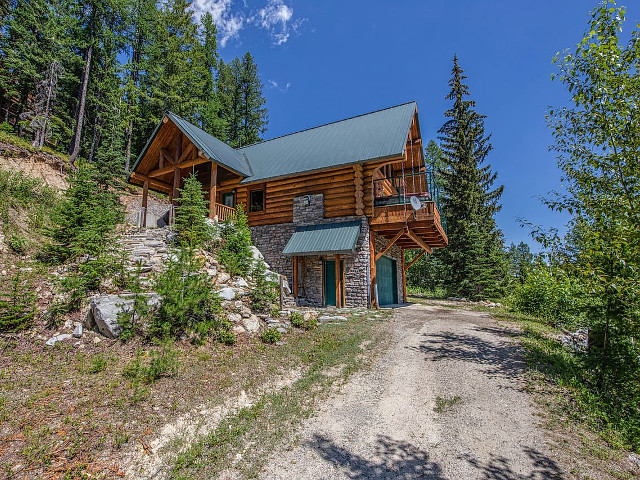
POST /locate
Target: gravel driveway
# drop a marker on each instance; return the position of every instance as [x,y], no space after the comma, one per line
[387,422]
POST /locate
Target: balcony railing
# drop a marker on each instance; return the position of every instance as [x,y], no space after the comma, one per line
[224,213]
[399,190]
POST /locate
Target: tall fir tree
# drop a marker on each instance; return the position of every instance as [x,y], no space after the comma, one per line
[474,264]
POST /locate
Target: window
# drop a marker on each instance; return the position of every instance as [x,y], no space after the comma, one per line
[228,199]
[256,201]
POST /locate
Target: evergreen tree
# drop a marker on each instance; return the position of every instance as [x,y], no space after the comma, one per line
[474,260]
[192,212]
[242,101]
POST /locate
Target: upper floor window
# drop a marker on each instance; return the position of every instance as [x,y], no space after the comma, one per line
[256,200]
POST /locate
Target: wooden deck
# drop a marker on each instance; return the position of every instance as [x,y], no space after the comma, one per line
[409,228]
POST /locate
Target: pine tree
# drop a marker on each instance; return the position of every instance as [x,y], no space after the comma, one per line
[191,224]
[474,260]
[242,101]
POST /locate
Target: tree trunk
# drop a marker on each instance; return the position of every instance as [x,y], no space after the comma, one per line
[75,146]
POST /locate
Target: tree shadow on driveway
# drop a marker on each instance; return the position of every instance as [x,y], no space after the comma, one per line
[498,468]
[392,459]
[500,357]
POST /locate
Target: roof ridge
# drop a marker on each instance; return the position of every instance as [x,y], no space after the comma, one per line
[326,124]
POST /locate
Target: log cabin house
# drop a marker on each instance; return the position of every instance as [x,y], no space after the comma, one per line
[332,208]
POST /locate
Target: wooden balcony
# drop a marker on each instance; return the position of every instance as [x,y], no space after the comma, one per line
[396,219]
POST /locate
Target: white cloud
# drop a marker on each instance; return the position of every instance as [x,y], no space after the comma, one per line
[276,17]
[228,23]
[276,85]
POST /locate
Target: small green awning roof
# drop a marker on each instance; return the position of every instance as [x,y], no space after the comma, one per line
[324,239]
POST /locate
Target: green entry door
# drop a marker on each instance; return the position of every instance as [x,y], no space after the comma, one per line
[330,281]
[387,280]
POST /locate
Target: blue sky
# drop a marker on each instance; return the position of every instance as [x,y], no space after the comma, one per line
[327,60]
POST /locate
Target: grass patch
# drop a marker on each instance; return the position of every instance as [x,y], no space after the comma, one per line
[270,421]
[14,139]
[445,403]
[561,381]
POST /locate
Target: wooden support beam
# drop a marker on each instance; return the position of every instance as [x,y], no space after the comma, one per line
[178,153]
[390,244]
[338,281]
[295,276]
[155,184]
[372,268]
[186,153]
[212,190]
[176,183]
[404,279]
[415,259]
[145,196]
[418,240]
[166,154]
[187,163]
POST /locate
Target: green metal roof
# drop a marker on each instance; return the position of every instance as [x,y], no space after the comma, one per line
[323,239]
[214,149]
[376,135]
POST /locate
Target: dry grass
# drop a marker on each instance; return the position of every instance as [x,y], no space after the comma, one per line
[68,411]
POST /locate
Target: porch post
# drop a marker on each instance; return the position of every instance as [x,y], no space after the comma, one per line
[145,195]
[338,281]
[404,279]
[212,190]
[372,268]
[295,276]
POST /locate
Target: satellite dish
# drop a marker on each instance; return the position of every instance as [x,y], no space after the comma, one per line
[415,203]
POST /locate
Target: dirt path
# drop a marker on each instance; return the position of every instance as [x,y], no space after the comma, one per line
[385,422]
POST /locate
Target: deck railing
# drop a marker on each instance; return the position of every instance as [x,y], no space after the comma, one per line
[224,213]
[399,190]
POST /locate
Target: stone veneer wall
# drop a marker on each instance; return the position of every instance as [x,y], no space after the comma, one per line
[309,210]
[394,252]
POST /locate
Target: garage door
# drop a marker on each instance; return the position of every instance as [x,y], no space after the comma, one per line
[387,280]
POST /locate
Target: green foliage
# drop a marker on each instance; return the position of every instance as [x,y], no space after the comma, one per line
[297,320]
[235,249]
[18,243]
[548,293]
[17,304]
[6,127]
[84,219]
[189,303]
[520,261]
[226,336]
[426,274]
[474,265]
[271,335]
[98,363]
[191,215]
[597,141]
[264,292]
[133,319]
[163,363]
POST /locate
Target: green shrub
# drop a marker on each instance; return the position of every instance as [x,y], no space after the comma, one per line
[6,127]
[189,303]
[132,320]
[98,364]
[235,248]
[271,335]
[18,243]
[191,214]
[84,219]
[297,320]
[227,337]
[311,324]
[264,292]
[17,304]
[164,363]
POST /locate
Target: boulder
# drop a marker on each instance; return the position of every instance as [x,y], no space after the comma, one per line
[332,318]
[311,314]
[238,329]
[234,317]
[256,254]
[223,277]
[241,282]
[58,338]
[227,293]
[252,324]
[77,332]
[103,312]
